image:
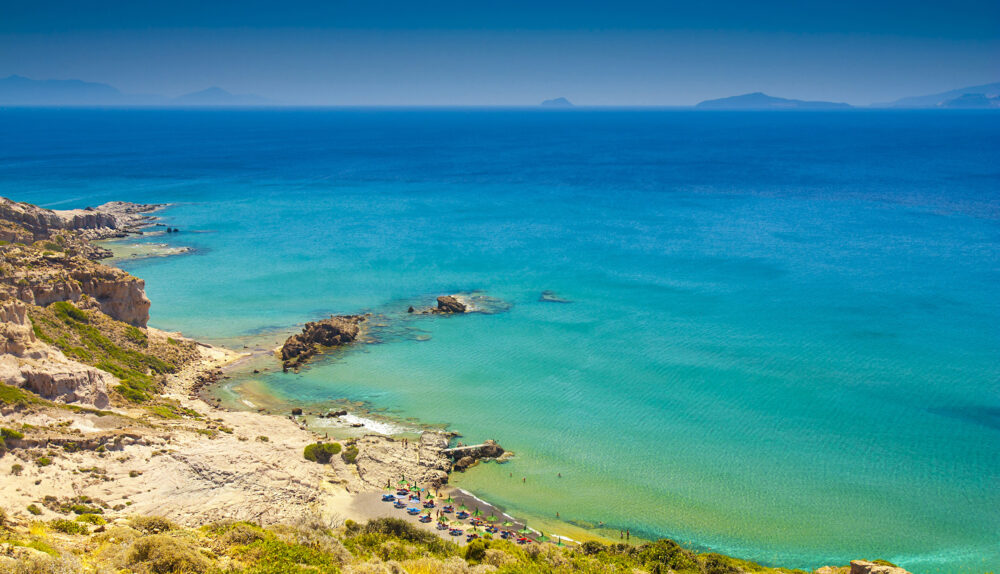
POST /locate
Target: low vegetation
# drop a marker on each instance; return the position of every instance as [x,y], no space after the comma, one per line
[94,339]
[321,452]
[152,545]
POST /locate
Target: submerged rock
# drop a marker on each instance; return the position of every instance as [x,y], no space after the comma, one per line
[552,297]
[337,331]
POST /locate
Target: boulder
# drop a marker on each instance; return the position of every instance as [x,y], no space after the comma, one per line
[449,304]
[490,449]
[296,411]
[463,463]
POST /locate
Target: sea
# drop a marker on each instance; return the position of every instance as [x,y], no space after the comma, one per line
[774,335]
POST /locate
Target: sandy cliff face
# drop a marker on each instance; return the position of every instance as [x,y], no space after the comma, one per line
[42,280]
[28,363]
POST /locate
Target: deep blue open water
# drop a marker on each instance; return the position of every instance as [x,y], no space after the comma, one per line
[783,340]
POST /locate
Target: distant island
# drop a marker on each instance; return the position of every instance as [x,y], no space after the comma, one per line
[558,103]
[761,101]
[984,96]
[21,91]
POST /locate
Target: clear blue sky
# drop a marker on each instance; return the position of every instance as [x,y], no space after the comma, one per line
[626,52]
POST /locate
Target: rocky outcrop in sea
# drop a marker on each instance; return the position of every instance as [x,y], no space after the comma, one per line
[337,331]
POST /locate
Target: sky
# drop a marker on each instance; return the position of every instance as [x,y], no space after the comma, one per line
[515,52]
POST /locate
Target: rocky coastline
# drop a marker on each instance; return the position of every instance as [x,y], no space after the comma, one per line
[103,416]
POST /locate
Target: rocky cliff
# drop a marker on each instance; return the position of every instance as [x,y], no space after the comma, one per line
[41,277]
[31,364]
[113,219]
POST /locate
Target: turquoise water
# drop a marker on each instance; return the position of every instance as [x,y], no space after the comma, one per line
[783,338]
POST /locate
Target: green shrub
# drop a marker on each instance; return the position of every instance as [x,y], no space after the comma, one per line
[263,438]
[475,551]
[240,534]
[16,469]
[137,336]
[321,452]
[68,526]
[668,555]
[350,454]
[163,554]
[33,509]
[92,519]
[43,461]
[10,433]
[68,312]
[151,524]
[85,509]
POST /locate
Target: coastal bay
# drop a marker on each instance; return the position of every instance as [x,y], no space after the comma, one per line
[722,365]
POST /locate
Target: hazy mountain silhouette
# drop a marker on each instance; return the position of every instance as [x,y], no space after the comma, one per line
[942,99]
[21,91]
[216,96]
[761,101]
[558,103]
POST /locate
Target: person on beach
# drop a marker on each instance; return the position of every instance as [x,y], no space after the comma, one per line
[524,479]
[627,535]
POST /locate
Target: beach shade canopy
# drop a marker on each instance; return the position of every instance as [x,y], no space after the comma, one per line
[477,512]
[508,523]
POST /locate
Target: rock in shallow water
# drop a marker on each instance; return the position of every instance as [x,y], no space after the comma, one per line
[336,331]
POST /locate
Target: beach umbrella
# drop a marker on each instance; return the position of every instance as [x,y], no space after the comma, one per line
[558,539]
[443,519]
[525,530]
[430,496]
[463,507]
[508,523]
[477,512]
[403,482]
[542,538]
[491,518]
[449,499]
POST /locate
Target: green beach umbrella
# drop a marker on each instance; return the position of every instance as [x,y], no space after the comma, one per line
[449,499]
[477,512]
[491,518]
[443,519]
[463,507]
[525,530]
[542,538]
[430,496]
[508,523]
[403,482]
